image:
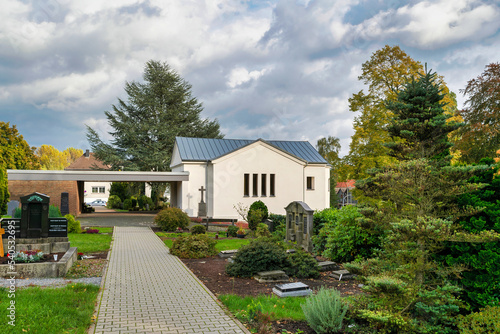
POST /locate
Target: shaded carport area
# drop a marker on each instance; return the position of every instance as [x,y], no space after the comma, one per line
[66,188]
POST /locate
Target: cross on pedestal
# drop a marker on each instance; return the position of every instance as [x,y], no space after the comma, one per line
[202,191]
[2,232]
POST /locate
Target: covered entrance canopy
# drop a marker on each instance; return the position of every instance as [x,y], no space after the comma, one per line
[55,182]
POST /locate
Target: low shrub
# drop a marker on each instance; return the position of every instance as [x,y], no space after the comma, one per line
[73,224]
[302,264]
[198,229]
[127,204]
[114,202]
[254,218]
[17,213]
[170,219]
[487,320]
[325,311]
[143,200]
[54,211]
[261,254]
[194,246]
[133,199]
[232,231]
[262,230]
[259,205]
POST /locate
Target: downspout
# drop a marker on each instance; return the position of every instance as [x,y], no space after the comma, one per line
[304,183]
[206,185]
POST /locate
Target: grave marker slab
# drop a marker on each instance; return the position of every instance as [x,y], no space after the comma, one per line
[328,265]
[292,290]
[342,275]
[228,253]
[271,276]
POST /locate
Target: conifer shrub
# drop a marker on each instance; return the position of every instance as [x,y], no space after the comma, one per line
[114,202]
[194,246]
[198,229]
[54,211]
[73,224]
[170,219]
[302,264]
[232,231]
[133,200]
[262,254]
[262,230]
[325,311]
[127,204]
[487,320]
[143,200]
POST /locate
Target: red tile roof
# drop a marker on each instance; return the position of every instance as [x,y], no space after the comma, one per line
[346,184]
[87,162]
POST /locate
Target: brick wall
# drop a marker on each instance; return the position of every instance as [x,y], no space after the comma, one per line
[17,189]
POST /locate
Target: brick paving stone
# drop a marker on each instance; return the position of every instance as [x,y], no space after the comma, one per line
[148,290]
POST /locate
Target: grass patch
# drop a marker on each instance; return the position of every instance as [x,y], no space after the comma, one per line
[90,243]
[278,308]
[50,310]
[222,244]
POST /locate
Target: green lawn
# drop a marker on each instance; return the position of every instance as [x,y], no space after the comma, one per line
[90,243]
[49,310]
[278,308]
[222,244]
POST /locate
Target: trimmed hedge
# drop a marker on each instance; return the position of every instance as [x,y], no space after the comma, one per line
[170,219]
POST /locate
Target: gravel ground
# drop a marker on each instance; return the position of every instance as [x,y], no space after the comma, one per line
[52,282]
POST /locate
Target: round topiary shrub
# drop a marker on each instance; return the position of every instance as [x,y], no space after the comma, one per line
[170,219]
[198,229]
[232,230]
[261,254]
[259,205]
[302,264]
[194,246]
[114,202]
[127,204]
[73,224]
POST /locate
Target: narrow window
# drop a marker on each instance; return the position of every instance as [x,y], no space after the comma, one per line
[255,185]
[263,184]
[246,185]
[310,183]
[271,185]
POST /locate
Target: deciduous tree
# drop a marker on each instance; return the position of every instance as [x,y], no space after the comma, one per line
[329,149]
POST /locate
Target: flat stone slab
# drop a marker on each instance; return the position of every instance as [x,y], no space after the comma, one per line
[342,275]
[292,290]
[328,265]
[228,253]
[271,276]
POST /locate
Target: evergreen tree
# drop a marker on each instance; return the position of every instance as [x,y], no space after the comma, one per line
[146,124]
[419,127]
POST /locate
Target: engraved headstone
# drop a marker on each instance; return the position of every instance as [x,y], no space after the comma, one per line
[202,206]
[342,275]
[299,224]
[271,276]
[11,207]
[35,216]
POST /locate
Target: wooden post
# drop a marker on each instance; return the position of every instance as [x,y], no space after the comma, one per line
[2,232]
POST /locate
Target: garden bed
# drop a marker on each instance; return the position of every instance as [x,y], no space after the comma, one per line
[211,271]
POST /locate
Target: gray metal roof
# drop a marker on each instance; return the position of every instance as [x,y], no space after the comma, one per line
[205,149]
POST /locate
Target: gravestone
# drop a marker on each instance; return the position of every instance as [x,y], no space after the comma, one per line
[328,265]
[35,216]
[228,253]
[11,207]
[64,203]
[299,224]
[271,276]
[202,206]
[342,275]
[296,289]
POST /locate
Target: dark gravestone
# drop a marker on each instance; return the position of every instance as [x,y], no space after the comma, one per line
[11,207]
[58,227]
[64,203]
[35,216]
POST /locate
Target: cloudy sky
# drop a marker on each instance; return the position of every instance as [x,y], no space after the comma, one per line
[267,69]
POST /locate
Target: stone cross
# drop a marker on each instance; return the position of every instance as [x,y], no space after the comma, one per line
[2,232]
[202,191]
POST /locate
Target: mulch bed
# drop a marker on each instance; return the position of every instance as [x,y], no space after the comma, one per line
[211,271]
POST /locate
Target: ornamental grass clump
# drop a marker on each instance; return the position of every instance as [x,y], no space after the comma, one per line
[325,311]
[194,246]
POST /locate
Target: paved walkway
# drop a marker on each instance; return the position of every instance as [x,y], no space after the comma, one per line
[147,290]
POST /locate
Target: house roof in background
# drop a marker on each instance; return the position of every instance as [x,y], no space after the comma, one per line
[206,149]
[349,184]
[87,162]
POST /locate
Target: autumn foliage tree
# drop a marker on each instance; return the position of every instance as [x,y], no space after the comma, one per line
[53,159]
[15,153]
[480,137]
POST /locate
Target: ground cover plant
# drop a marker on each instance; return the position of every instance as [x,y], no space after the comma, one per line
[50,310]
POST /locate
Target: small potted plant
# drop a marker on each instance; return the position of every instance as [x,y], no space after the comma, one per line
[240,233]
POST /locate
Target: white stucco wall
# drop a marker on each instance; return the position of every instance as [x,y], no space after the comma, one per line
[189,195]
[89,196]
